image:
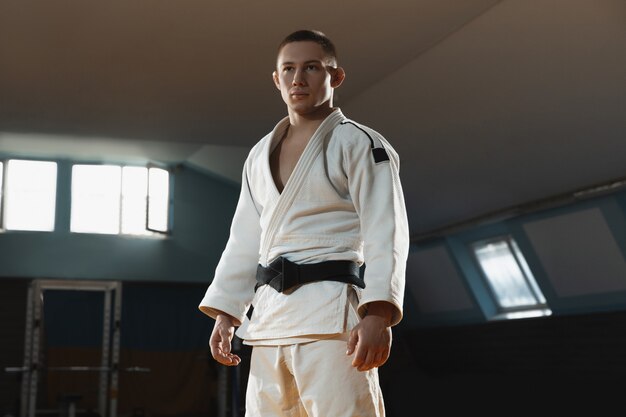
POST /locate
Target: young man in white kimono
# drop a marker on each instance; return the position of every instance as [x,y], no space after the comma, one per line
[320,197]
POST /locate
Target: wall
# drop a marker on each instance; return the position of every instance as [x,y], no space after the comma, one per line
[165,279]
[576,252]
[161,332]
[203,206]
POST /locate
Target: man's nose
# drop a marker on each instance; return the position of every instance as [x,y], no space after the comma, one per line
[298,77]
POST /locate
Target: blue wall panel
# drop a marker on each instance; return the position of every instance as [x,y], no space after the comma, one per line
[203,207]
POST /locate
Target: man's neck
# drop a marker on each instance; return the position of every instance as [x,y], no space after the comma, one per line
[308,122]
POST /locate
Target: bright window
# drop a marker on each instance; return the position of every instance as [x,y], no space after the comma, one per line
[510,279]
[158,195]
[134,194]
[96,199]
[29,197]
[113,199]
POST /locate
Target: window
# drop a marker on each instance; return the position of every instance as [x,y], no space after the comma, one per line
[510,279]
[28,195]
[158,199]
[112,199]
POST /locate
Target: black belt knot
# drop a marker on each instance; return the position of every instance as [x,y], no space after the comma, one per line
[282,274]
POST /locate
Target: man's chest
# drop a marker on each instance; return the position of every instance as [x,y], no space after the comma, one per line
[284,158]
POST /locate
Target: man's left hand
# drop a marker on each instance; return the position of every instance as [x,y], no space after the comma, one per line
[370,340]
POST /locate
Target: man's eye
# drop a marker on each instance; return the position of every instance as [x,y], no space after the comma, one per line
[311,67]
[287,69]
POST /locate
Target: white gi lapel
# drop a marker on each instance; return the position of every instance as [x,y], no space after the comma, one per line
[295,181]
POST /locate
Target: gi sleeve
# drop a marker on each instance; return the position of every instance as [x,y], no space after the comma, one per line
[372,167]
[232,288]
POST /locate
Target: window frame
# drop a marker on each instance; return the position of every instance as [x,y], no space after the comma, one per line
[540,307]
[150,233]
[168,228]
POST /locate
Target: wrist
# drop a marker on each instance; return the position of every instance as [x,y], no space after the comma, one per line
[381,309]
[225,319]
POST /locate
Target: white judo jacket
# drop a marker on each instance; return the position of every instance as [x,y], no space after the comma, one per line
[343,201]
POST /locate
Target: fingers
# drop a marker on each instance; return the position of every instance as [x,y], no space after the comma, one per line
[224,340]
[224,356]
[370,341]
[223,351]
[220,346]
[228,359]
[373,359]
[360,355]
[368,362]
[369,358]
[352,342]
[382,359]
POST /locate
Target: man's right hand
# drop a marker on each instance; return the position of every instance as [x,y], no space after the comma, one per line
[222,334]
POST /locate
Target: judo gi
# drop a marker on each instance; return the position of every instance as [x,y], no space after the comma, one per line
[343,201]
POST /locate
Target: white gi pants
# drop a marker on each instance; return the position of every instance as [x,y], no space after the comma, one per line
[314,379]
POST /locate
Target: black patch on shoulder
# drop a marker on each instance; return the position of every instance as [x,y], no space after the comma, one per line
[380,154]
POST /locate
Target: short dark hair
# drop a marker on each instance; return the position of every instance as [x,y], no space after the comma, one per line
[312,36]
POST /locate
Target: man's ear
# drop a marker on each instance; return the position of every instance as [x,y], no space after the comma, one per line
[275,78]
[337,75]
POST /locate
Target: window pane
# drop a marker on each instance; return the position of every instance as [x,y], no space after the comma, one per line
[96,198]
[30,195]
[159,199]
[527,272]
[504,274]
[134,194]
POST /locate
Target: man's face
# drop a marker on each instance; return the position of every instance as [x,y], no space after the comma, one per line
[305,77]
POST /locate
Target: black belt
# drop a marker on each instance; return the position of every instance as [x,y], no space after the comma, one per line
[282,274]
